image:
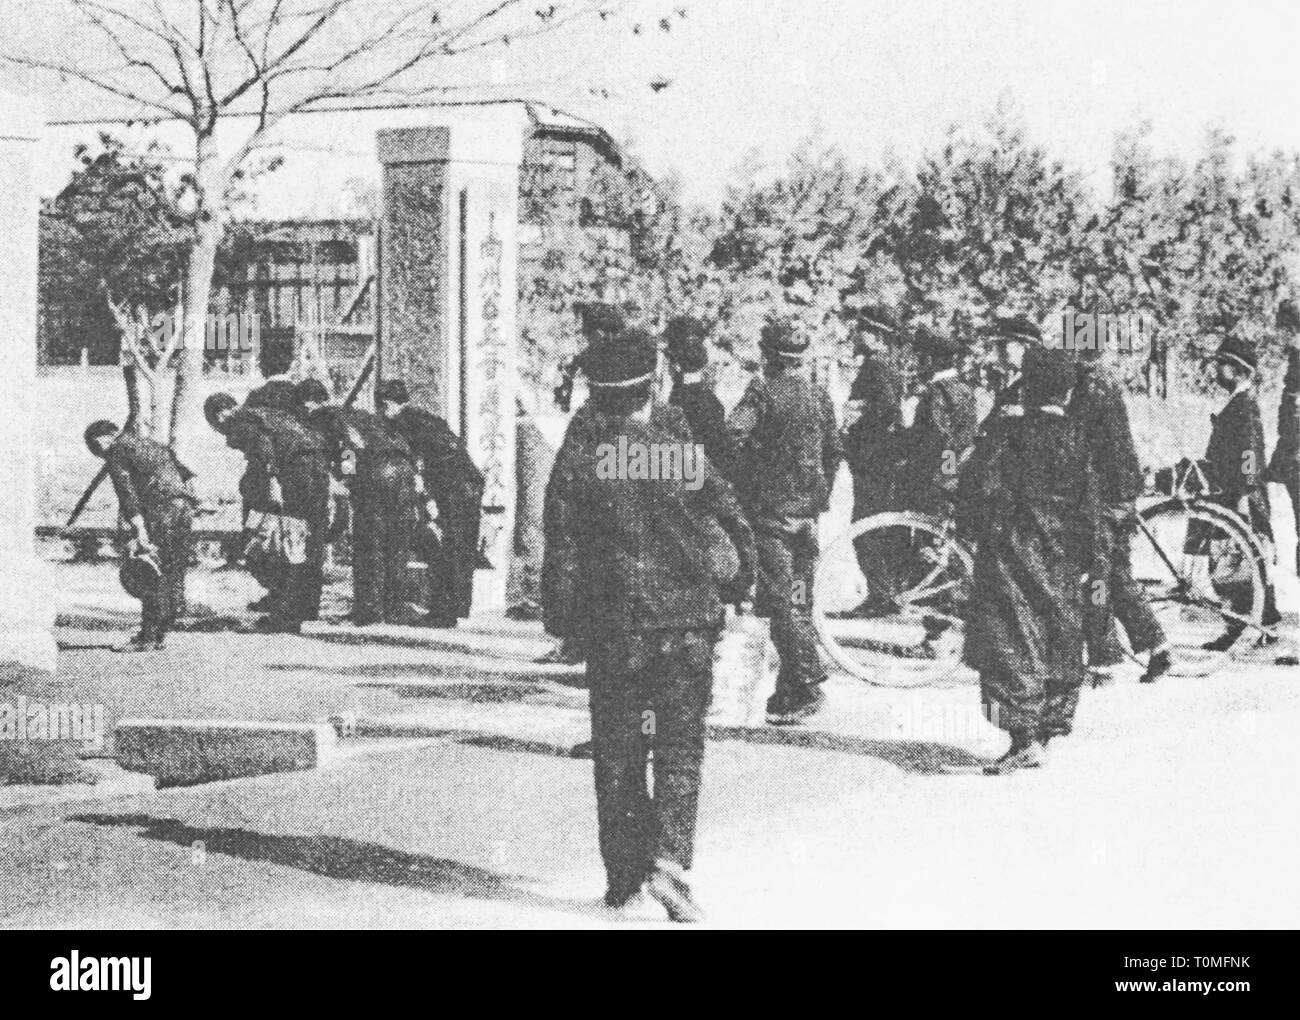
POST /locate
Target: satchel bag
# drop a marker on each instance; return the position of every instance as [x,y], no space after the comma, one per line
[276,543]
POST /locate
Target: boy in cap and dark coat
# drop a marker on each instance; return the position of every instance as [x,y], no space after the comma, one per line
[684,343]
[1026,498]
[378,468]
[788,452]
[455,485]
[287,461]
[1235,462]
[1284,468]
[1098,404]
[155,496]
[636,571]
[876,396]
[942,432]
[1014,335]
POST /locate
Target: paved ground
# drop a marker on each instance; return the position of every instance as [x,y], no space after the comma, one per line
[1172,806]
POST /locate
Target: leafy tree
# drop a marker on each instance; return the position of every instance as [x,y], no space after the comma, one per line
[113,241]
[204,61]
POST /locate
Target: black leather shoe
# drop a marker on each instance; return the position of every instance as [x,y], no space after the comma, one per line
[1157,666]
[139,643]
[1223,642]
[798,707]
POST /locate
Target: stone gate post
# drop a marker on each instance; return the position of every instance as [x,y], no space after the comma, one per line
[448,270]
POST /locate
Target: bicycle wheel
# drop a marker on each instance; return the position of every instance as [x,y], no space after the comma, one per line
[1204,574]
[889,597]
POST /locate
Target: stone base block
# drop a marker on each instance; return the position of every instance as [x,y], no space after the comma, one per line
[180,752]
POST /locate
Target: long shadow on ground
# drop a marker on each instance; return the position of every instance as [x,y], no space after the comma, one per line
[345,859]
[919,756]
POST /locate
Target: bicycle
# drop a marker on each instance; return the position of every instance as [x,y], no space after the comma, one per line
[1202,566]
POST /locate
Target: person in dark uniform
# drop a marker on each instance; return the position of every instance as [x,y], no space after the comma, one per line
[1113,594]
[637,570]
[379,469]
[454,483]
[684,338]
[1284,467]
[1014,336]
[599,321]
[875,398]
[292,467]
[1235,461]
[155,496]
[1026,497]
[936,444]
[788,448]
[276,393]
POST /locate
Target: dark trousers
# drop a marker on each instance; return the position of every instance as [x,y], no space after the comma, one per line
[305,488]
[383,526]
[169,524]
[649,694]
[1292,486]
[1118,598]
[1240,596]
[454,559]
[787,561]
[1037,706]
[879,555]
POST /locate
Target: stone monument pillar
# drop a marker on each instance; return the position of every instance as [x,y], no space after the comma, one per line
[448,284]
[26,601]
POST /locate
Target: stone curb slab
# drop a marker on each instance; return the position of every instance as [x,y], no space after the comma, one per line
[186,752]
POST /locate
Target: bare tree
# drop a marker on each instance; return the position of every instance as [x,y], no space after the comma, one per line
[204,60]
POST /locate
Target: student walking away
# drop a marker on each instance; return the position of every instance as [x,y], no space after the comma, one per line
[688,357]
[1113,594]
[290,463]
[1235,467]
[155,496]
[1284,468]
[636,571]
[378,468]
[875,406]
[453,484]
[598,322]
[1026,499]
[788,452]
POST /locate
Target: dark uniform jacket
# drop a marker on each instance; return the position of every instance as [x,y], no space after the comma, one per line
[937,443]
[364,435]
[1098,404]
[271,439]
[879,387]
[632,555]
[788,447]
[869,441]
[669,417]
[444,463]
[1285,465]
[708,423]
[274,393]
[145,474]
[1235,457]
